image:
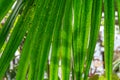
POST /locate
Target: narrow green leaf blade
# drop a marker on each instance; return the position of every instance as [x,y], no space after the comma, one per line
[109,36]
[94,32]
[66,41]
[84,32]
[56,43]
[5,6]
[77,5]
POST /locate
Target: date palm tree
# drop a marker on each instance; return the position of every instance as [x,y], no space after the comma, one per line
[65,30]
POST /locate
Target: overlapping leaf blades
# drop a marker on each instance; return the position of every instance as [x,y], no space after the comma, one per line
[9,23]
[12,44]
[94,32]
[5,6]
[66,40]
[49,24]
[56,43]
[77,5]
[84,32]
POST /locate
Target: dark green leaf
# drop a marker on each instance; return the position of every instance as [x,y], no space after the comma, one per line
[66,40]
[109,36]
[94,32]
[56,45]
[5,6]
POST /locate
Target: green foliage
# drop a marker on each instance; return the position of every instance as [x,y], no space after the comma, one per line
[56,44]
[95,77]
[102,77]
[109,36]
[66,29]
[94,32]
[118,9]
[0,26]
[5,6]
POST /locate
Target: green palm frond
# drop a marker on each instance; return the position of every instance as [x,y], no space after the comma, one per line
[95,26]
[5,6]
[77,5]
[64,30]
[109,36]
[66,40]
[84,32]
[56,43]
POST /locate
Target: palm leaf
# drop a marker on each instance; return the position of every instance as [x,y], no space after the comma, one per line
[94,32]
[56,43]
[12,45]
[5,6]
[109,36]
[84,32]
[66,41]
[48,24]
[41,10]
[9,24]
[77,5]
[47,39]
[33,40]
[24,62]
